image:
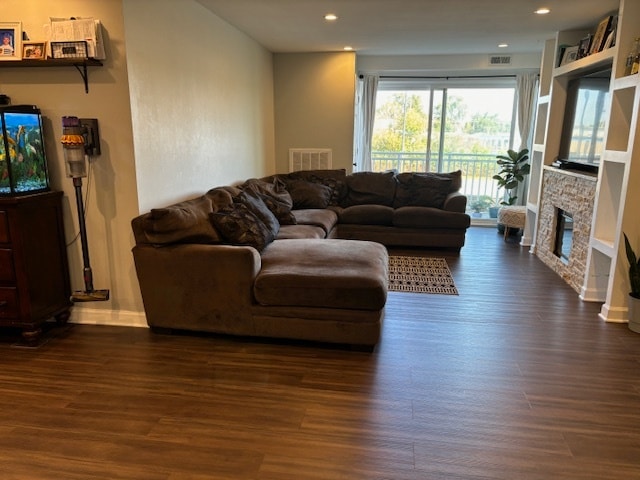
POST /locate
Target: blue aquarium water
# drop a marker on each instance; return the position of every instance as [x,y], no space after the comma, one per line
[23,165]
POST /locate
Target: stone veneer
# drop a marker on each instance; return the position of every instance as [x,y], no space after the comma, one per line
[574,193]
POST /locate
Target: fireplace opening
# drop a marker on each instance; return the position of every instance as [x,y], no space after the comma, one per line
[564,235]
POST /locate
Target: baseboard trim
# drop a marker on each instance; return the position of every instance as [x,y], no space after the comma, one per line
[614,314]
[115,318]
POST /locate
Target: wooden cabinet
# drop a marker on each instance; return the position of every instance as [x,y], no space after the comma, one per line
[34,272]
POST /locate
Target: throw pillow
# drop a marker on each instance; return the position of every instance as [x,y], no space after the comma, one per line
[308,194]
[254,203]
[184,222]
[332,178]
[455,177]
[421,190]
[240,226]
[275,196]
[377,188]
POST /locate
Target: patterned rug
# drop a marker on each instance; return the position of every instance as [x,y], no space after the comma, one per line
[420,275]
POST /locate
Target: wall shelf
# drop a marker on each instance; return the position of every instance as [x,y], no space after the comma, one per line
[79,63]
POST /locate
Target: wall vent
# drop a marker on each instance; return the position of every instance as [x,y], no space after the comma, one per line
[309,159]
[499,60]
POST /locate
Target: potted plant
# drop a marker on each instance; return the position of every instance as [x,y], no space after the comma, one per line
[513,169]
[480,204]
[634,280]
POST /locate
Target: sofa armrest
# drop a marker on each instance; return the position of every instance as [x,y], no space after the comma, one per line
[195,286]
[455,202]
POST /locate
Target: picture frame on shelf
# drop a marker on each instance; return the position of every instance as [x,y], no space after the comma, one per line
[570,55]
[10,41]
[584,47]
[34,50]
[597,44]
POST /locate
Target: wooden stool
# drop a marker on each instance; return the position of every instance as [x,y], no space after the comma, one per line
[512,217]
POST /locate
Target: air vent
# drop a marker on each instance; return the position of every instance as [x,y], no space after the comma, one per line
[499,60]
[309,159]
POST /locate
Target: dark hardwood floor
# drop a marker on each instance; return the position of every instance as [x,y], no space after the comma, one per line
[515,378]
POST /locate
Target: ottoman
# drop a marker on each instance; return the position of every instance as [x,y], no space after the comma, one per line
[327,273]
[512,217]
[326,290]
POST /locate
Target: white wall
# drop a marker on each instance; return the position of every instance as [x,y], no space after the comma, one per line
[201,99]
[200,114]
[314,98]
[446,64]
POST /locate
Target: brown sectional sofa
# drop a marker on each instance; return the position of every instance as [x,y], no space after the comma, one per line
[298,256]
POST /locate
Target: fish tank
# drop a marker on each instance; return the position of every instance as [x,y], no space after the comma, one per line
[23,164]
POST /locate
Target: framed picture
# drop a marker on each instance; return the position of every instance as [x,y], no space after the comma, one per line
[570,55]
[584,48]
[10,41]
[600,36]
[34,50]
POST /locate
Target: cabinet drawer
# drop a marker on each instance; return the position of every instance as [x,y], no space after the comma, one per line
[8,302]
[4,227]
[7,270]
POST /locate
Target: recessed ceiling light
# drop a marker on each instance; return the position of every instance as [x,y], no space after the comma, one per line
[542,11]
[503,45]
[348,48]
[331,17]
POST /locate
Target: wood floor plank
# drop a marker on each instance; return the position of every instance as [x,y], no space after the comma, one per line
[514,378]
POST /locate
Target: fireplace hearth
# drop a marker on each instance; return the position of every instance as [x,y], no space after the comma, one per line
[564,228]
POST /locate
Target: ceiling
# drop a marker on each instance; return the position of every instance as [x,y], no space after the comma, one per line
[408,27]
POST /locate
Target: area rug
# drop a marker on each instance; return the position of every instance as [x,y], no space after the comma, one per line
[420,275]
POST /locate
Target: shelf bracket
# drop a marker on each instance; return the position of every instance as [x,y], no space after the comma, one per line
[82,68]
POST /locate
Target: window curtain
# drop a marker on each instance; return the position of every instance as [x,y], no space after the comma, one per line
[526,88]
[526,94]
[365,116]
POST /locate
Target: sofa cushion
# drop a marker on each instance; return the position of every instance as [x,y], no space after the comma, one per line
[275,196]
[238,225]
[300,231]
[332,178]
[308,194]
[370,188]
[254,202]
[367,215]
[429,217]
[323,273]
[456,179]
[323,218]
[422,189]
[184,222]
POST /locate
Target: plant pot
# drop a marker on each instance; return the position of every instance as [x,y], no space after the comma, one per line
[493,212]
[634,314]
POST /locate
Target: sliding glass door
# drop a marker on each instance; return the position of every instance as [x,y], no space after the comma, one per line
[430,128]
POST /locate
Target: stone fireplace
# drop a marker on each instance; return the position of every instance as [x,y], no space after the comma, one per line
[564,223]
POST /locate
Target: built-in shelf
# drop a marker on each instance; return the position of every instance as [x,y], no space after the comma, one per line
[533,207]
[617,185]
[587,64]
[603,246]
[81,64]
[630,81]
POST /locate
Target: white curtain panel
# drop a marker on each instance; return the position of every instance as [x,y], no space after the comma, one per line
[526,92]
[526,89]
[365,116]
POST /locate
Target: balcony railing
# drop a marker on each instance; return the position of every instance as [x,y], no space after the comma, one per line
[477,174]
